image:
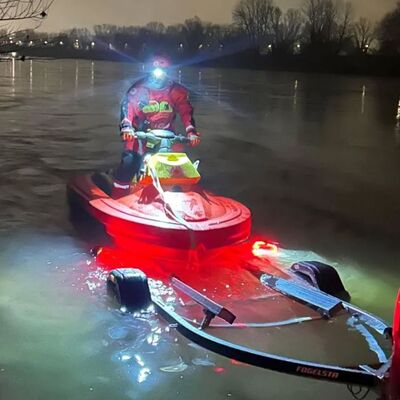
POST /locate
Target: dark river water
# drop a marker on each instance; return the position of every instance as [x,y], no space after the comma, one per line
[316,158]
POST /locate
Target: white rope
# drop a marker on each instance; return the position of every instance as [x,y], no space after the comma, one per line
[167,206]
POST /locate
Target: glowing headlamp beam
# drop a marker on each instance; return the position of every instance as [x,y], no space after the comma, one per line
[159,73]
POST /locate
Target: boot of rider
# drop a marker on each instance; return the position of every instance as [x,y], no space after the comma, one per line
[120,189]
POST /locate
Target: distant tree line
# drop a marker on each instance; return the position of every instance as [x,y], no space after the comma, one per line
[320,27]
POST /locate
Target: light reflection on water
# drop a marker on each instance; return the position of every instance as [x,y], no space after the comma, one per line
[61,338]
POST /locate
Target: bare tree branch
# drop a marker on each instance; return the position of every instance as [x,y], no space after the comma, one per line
[254,17]
[328,23]
[345,17]
[364,33]
[286,29]
[19,11]
[389,32]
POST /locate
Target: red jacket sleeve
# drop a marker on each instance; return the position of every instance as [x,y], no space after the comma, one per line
[128,110]
[181,103]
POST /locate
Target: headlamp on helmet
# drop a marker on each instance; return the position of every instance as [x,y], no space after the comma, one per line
[159,73]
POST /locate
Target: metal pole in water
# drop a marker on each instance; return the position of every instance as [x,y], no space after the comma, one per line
[398,113]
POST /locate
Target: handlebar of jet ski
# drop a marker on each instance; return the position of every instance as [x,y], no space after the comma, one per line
[151,136]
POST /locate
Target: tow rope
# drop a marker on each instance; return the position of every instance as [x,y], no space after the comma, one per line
[168,209]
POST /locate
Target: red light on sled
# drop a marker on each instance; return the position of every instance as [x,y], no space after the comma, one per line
[264,249]
[236,362]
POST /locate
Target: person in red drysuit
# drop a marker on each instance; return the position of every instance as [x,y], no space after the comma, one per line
[151,103]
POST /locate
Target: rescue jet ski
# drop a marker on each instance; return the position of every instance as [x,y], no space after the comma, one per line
[166,206]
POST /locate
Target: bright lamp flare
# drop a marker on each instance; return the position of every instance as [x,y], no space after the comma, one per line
[159,73]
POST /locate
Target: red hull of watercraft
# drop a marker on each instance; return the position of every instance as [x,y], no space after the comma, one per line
[211,221]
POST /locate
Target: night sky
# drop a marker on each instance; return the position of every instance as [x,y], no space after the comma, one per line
[66,14]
